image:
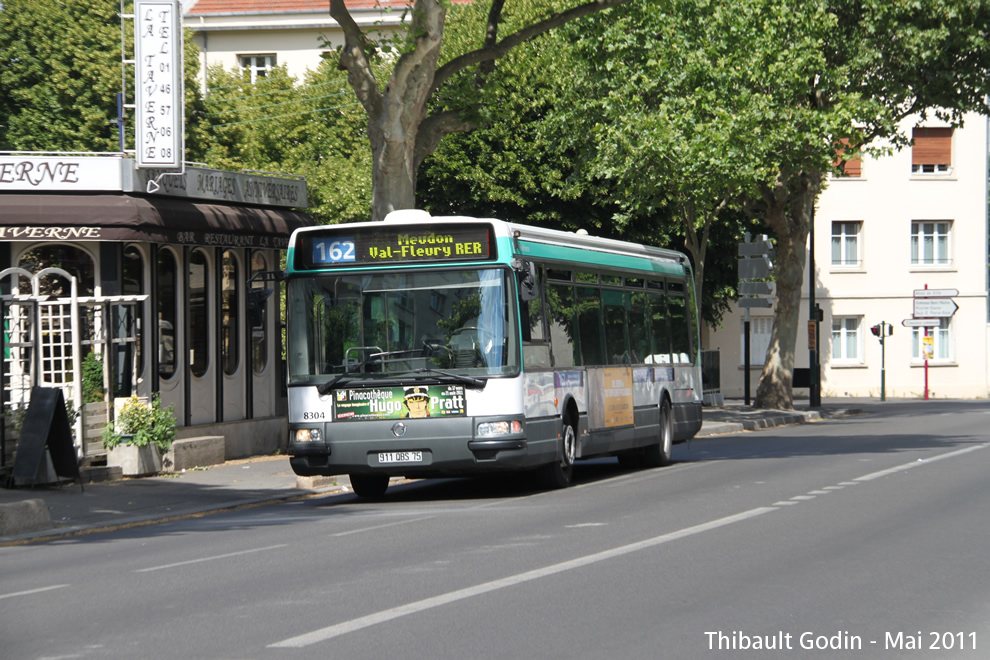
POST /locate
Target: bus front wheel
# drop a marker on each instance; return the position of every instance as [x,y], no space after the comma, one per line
[369,485]
[559,473]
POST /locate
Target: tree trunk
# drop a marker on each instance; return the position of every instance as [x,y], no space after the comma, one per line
[789,210]
[393,175]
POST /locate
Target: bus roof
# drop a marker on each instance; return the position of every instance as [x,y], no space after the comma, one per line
[532,242]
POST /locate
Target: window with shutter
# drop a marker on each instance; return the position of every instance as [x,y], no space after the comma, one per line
[932,151]
[851,166]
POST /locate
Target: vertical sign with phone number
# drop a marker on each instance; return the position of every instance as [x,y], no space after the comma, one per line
[158,82]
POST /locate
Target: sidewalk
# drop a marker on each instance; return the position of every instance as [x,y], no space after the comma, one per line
[30,514]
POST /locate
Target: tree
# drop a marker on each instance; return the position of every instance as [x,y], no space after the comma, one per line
[661,136]
[312,128]
[537,156]
[773,91]
[400,131]
[863,68]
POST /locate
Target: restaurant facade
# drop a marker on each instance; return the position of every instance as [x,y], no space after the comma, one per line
[165,282]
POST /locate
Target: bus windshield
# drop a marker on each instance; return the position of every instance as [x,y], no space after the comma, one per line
[378,325]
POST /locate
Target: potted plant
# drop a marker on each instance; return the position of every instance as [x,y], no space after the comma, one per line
[140,435]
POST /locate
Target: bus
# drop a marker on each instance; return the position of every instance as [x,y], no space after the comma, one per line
[426,347]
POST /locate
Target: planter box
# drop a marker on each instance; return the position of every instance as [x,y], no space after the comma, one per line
[135,461]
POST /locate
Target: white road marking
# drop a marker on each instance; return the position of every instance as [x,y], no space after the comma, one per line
[382,526]
[213,558]
[914,464]
[336,630]
[33,591]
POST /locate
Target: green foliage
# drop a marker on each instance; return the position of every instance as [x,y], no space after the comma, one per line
[92,378]
[556,147]
[60,73]
[315,129]
[142,424]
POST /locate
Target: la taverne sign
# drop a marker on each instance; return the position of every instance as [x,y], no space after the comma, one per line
[115,173]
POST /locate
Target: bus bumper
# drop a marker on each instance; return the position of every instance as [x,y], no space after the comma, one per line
[416,448]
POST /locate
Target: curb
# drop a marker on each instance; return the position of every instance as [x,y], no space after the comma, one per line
[28,534]
[765,421]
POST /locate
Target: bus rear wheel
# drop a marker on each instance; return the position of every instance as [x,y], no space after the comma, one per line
[559,473]
[369,485]
[658,454]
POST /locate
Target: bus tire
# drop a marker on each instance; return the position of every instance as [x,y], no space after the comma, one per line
[559,473]
[658,454]
[369,485]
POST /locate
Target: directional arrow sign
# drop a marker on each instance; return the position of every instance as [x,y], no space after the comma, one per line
[755,302]
[920,323]
[754,249]
[755,269]
[755,288]
[934,308]
[935,293]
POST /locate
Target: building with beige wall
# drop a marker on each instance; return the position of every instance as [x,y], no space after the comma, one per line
[257,35]
[892,225]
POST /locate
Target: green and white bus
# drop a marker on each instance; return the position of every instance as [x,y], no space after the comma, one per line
[439,346]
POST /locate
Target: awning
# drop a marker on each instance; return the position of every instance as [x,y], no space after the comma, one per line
[107,217]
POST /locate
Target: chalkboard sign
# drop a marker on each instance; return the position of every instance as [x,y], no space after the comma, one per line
[45,425]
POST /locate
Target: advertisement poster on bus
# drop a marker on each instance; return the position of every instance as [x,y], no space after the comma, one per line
[611,400]
[369,403]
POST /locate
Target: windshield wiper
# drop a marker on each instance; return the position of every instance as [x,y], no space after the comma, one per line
[327,387]
[349,366]
[476,383]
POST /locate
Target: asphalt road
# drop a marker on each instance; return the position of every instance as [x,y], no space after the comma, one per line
[864,537]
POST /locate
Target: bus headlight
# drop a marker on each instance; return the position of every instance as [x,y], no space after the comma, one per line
[307,435]
[491,429]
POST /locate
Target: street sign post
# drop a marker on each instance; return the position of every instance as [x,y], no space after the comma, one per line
[930,307]
[754,264]
[755,268]
[934,308]
[755,303]
[935,293]
[921,323]
[755,288]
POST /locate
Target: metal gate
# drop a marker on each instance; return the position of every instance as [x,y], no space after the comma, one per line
[46,337]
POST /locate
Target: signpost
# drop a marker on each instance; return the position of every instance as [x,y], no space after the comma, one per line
[920,323]
[930,307]
[755,267]
[934,308]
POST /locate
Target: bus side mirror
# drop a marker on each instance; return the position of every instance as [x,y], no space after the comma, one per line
[256,299]
[528,286]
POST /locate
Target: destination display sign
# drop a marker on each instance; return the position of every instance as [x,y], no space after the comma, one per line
[366,246]
[358,404]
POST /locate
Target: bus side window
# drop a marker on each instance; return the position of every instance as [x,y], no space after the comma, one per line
[680,325]
[615,327]
[560,311]
[659,328]
[589,321]
[536,348]
[639,337]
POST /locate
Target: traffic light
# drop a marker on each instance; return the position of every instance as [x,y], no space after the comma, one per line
[882,329]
